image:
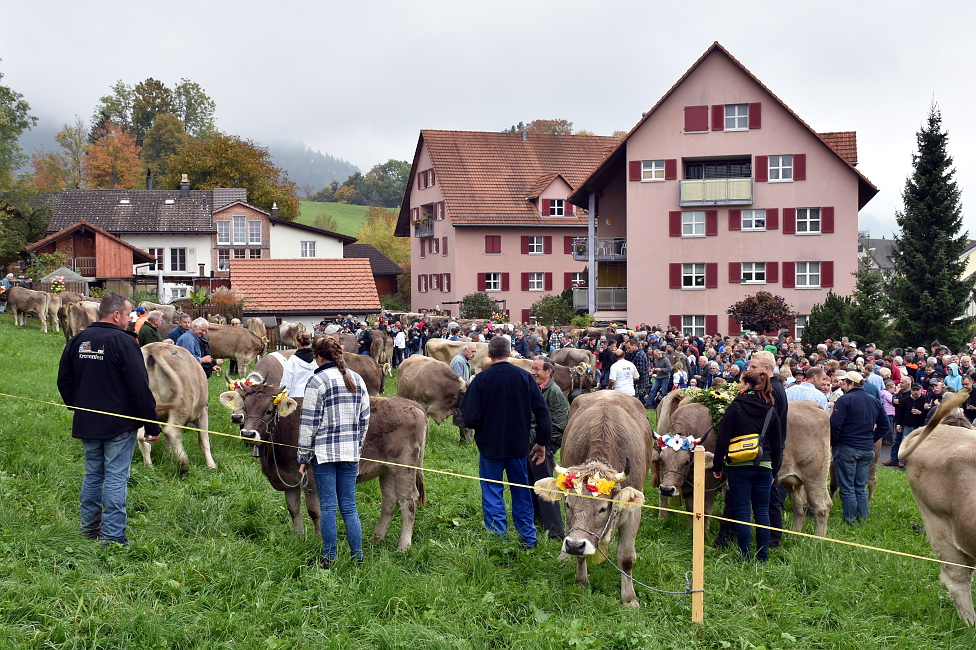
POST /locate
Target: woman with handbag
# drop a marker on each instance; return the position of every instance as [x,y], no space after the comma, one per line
[748,447]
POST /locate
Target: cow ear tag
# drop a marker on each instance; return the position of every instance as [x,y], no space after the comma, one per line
[282,395]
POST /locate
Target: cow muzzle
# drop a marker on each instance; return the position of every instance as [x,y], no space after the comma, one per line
[667,490]
[237,418]
[577,546]
[251,434]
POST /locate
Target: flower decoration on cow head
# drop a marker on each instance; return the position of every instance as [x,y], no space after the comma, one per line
[586,483]
[239,383]
[677,443]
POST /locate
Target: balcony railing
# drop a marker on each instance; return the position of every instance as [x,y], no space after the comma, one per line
[83,266]
[716,191]
[424,228]
[607,298]
[608,249]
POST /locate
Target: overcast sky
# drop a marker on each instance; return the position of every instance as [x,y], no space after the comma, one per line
[359,79]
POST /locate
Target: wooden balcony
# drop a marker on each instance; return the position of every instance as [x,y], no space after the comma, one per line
[716,191]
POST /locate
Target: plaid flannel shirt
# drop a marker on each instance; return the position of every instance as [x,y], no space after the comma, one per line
[334,421]
[640,362]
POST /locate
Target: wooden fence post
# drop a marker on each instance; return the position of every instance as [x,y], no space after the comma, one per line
[698,540]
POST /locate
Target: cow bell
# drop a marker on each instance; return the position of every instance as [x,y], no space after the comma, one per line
[622,476]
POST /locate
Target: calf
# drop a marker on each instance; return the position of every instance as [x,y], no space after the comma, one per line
[607,431]
[381,348]
[432,384]
[179,385]
[288,331]
[23,301]
[228,342]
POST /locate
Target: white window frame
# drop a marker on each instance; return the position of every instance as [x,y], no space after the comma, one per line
[536,245]
[694,325]
[579,278]
[239,253]
[537,281]
[435,246]
[493,281]
[254,228]
[751,217]
[179,293]
[809,218]
[254,253]
[782,167]
[177,264]
[738,116]
[557,208]
[652,171]
[308,249]
[801,324]
[692,222]
[159,259]
[423,283]
[239,231]
[693,276]
[755,272]
[434,284]
[223,259]
[808,272]
[223,233]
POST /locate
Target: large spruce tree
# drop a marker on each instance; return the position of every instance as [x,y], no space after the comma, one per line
[928,294]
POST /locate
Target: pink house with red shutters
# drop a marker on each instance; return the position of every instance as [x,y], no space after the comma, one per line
[720,191]
[488,212]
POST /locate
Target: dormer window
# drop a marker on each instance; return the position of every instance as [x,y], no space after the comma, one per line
[557,208]
[167,201]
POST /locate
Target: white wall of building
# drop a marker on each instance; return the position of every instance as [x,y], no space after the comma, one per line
[197,251]
[286,243]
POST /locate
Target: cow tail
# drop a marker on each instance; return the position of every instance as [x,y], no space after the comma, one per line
[949,404]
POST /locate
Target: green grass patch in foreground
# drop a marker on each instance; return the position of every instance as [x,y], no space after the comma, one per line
[214,564]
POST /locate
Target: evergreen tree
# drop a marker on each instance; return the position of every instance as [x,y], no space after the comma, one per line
[866,319]
[827,320]
[928,293]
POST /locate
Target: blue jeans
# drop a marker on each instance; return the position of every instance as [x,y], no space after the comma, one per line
[659,386]
[749,487]
[896,441]
[336,484]
[105,486]
[493,501]
[851,470]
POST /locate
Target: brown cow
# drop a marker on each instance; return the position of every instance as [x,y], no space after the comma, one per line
[78,316]
[806,464]
[349,343]
[396,434]
[288,331]
[229,342]
[53,307]
[432,384]
[179,385]
[169,311]
[22,301]
[444,350]
[577,377]
[573,357]
[217,319]
[71,297]
[673,454]
[664,408]
[381,348]
[369,370]
[256,325]
[940,461]
[607,430]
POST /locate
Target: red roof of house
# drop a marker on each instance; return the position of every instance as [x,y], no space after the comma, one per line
[305,285]
[844,143]
[138,255]
[490,178]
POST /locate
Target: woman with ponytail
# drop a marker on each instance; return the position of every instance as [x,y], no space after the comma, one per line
[334,420]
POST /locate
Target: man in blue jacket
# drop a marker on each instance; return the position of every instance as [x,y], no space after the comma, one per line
[857,422]
[102,369]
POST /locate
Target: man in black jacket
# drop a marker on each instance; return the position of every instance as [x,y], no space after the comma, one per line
[102,369]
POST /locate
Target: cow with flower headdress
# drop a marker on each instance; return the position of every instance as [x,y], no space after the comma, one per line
[604,449]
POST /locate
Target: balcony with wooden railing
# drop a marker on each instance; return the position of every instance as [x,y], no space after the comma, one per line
[715,191]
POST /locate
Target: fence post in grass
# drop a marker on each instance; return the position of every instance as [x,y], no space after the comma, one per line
[698,539]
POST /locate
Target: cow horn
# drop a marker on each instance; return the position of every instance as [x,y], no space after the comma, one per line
[656,436]
[561,470]
[624,474]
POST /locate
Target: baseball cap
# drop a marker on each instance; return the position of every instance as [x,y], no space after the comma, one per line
[141,310]
[916,386]
[853,376]
[332,329]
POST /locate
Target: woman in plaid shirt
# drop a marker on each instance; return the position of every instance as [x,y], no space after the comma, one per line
[335,416]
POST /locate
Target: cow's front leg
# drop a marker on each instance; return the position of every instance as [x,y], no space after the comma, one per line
[204,438]
[144,447]
[174,442]
[293,499]
[627,553]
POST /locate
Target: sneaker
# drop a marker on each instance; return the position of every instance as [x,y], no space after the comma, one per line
[890,463]
[90,533]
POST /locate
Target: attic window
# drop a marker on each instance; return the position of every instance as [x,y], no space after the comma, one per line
[170,201]
[124,201]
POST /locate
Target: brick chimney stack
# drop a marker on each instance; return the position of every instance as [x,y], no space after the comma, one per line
[185,187]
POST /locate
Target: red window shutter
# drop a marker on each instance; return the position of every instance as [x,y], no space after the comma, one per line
[636,169]
[789,221]
[675,319]
[443,209]
[420,283]
[423,247]
[526,315]
[711,223]
[674,273]
[761,172]
[711,324]
[735,272]
[567,245]
[827,219]
[772,272]
[789,275]
[525,282]
[674,223]
[546,207]
[734,328]
[569,209]
[447,282]
[711,275]
[671,169]
[504,281]
[547,245]
[443,245]
[735,219]
[755,115]
[482,281]
[488,244]
[423,177]
[799,166]
[567,281]
[525,245]
[431,178]
[696,118]
[718,117]
[547,281]
[772,218]
[420,180]
[826,274]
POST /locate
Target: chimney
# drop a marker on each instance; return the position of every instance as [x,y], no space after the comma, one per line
[525,134]
[274,210]
[185,187]
[148,179]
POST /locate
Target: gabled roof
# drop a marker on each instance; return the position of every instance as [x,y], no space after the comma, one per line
[544,181]
[345,239]
[136,211]
[378,262]
[844,143]
[284,286]
[614,162]
[486,178]
[138,255]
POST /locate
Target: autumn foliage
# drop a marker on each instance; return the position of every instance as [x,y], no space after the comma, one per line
[113,160]
[763,312]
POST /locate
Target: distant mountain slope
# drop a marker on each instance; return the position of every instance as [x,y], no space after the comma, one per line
[310,169]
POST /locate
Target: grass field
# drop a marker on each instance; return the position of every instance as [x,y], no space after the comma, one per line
[213,563]
[348,217]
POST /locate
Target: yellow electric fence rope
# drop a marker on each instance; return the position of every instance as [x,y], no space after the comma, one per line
[486,480]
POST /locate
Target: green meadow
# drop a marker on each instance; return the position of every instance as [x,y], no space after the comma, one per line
[213,562]
[348,217]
